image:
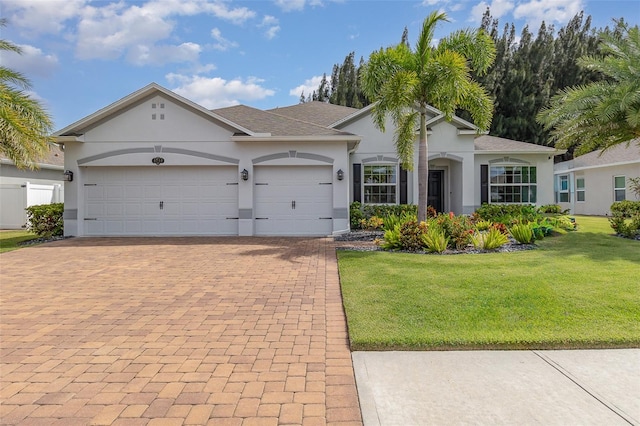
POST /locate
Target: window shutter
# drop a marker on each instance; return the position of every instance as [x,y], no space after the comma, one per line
[484,183]
[357,182]
[403,186]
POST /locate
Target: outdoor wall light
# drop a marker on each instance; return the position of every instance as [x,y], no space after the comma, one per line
[244,174]
[68,175]
[340,174]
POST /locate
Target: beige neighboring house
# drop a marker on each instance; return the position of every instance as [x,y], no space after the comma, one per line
[590,183]
[155,163]
[20,189]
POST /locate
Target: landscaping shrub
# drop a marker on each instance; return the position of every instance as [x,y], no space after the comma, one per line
[359,211]
[355,215]
[411,233]
[551,209]
[522,233]
[434,239]
[45,220]
[506,213]
[392,220]
[483,225]
[391,240]
[489,240]
[458,229]
[372,224]
[626,218]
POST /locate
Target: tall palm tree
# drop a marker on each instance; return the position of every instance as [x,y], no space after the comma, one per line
[25,126]
[404,82]
[605,113]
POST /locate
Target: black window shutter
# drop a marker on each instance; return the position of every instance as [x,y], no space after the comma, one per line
[484,183]
[357,182]
[403,186]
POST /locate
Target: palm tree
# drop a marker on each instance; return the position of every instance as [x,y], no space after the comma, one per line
[25,126]
[605,113]
[404,82]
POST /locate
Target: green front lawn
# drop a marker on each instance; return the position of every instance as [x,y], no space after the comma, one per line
[9,239]
[578,290]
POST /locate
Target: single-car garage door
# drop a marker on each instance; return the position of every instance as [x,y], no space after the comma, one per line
[160,200]
[293,200]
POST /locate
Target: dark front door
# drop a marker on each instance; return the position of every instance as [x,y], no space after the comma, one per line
[436,190]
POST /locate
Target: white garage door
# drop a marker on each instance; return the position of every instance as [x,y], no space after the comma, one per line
[293,200]
[161,200]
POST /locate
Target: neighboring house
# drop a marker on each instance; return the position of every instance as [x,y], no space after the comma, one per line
[20,189]
[154,163]
[590,183]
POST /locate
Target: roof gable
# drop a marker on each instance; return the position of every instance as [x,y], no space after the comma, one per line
[135,98]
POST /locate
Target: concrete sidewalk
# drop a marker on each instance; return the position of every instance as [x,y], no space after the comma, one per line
[585,387]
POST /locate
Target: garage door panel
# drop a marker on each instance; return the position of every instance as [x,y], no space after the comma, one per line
[293,200]
[127,201]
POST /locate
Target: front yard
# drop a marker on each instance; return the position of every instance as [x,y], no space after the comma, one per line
[578,290]
[9,240]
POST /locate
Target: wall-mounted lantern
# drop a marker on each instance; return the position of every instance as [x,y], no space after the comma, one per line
[68,175]
[244,174]
[157,160]
[340,174]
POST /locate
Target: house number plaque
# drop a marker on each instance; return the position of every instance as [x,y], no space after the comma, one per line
[157,160]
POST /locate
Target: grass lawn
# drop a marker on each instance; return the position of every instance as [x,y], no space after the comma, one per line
[577,290]
[9,239]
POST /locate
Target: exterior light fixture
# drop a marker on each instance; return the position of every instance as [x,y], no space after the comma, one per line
[340,174]
[244,174]
[157,160]
[68,175]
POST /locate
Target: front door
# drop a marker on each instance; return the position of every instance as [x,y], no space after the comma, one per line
[436,190]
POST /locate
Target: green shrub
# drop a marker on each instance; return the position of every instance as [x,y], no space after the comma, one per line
[458,229]
[522,233]
[507,213]
[483,225]
[411,233]
[45,220]
[435,240]
[371,224]
[355,215]
[626,218]
[489,240]
[551,209]
[391,239]
[392,220]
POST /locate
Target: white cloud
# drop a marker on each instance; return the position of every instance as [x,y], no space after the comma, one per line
[498,8]
[272,25]
[550,11]
[115,29]
[222,43]
[308,87]
[290,5]
[41,17]
[217,92]
[163,54]
[32,61]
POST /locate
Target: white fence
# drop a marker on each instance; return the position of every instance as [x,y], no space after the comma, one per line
[15,198]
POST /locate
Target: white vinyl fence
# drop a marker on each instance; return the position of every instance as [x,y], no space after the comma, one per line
[15,198]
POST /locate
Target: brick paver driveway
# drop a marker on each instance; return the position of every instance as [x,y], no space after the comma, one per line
[165,331]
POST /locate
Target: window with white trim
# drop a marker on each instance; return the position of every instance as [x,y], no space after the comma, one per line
[619,188]
[580,192]
[562,192]
[380,183]
[513,184]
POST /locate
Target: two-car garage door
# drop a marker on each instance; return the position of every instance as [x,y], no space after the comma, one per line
[198,200]
[161,200]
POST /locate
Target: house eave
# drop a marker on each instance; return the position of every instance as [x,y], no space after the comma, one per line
[598,166]
[321,138]
[38,165]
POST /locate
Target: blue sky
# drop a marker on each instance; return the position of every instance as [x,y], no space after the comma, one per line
[83,55]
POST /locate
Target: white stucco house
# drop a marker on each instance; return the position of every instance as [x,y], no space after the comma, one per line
[590,183]
[22,188]
[155,163]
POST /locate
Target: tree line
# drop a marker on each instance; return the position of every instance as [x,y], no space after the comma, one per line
[527,72]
